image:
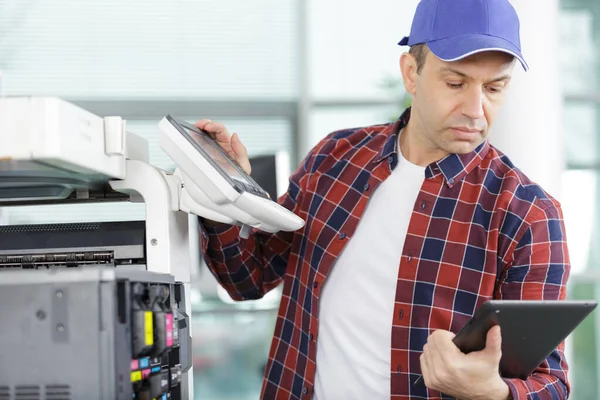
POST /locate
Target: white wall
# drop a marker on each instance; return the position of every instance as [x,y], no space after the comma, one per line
[353,45]
[352,48]
[529,129]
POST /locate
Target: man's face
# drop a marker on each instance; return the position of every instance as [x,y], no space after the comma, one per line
[455,103]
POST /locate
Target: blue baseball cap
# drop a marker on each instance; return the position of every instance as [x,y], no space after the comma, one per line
[455,29]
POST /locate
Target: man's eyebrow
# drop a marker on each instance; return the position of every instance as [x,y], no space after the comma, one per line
[502,78]
[462,74]
[453,71]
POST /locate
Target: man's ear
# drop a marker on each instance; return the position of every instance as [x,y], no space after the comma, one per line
[408,68]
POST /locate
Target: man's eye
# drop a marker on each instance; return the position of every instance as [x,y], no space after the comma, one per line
[454,85]
[494,89]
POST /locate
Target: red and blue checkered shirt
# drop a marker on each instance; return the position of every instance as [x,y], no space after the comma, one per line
[480,230]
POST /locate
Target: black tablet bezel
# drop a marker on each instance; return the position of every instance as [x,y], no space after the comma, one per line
[472,336]
[252,187]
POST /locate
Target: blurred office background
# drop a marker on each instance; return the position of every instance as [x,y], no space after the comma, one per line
[284,73]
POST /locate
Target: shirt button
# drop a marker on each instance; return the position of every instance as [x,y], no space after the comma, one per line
[305,390]
[401,313]
[399,369]
[451,181]
[390,159]
[342,235]
[367,186]
[423,205]
[315,284]
[311,337]
[409,257]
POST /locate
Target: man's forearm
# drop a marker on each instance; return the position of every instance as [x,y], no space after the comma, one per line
[246,268]
[498,391]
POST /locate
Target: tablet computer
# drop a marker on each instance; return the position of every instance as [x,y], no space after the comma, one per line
[531,330]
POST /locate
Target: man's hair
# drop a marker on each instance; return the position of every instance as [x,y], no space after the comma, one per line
[419,52]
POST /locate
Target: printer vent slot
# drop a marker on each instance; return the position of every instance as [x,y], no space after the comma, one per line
[27,392]
[34,392]
[58,392]
[54,260]
[84,226]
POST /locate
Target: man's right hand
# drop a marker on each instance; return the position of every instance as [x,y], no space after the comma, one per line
[230,143]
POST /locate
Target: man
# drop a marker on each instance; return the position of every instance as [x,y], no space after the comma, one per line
[410,227]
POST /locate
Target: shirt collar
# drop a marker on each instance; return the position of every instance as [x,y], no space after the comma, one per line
[454,167]
[390,147]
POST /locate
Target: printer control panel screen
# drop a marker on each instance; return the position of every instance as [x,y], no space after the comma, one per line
[211,150]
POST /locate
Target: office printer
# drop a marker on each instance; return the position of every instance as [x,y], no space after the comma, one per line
[101,310]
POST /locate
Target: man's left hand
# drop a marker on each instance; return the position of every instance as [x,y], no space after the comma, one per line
[470,376]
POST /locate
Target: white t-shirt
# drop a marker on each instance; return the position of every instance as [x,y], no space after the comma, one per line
[357,301]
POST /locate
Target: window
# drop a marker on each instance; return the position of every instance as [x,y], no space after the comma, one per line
[149,48]
[580,70]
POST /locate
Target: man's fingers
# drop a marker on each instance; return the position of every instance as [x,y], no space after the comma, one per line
[440,365]
[493,343]
[241,154]
[436,371]
[216,130]
[445,347]
[238,146]
[231,144]
[443,359]
[202,123]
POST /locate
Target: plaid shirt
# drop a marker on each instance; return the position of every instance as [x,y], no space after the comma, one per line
[479,230]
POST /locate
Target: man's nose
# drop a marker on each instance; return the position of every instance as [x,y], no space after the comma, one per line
[473,104]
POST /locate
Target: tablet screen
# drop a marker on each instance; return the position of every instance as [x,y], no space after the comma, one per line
[214,151]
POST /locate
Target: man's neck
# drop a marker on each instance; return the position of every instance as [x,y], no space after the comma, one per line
[415,146]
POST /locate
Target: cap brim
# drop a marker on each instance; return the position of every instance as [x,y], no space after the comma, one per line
[459,47]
